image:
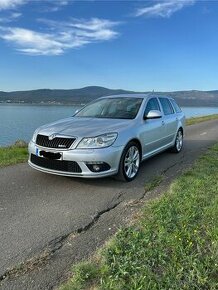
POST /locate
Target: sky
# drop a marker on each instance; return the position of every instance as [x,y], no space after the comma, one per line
[160,45]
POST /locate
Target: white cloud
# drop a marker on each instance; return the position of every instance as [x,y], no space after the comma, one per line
[15,15]
[163,8]
[93,24]
[54,6]
[8,4]
[31,42]
[60,36]
[93,29]
[63,2]
[10,18]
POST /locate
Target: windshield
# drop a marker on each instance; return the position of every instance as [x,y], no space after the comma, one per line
[113,108]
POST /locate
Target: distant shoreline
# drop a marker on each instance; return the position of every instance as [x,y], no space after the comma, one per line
[43,104]
[83,104]
[74,97]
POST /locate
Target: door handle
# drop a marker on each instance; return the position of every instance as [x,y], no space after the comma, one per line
[163,123]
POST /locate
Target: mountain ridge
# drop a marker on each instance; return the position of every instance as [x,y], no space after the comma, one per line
[89,93]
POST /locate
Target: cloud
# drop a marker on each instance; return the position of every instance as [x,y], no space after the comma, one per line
[9,4]
[163,8]
[54,6]
[63,2]
[93,29]
[60,36]
[15,15]
[10,18]
[31,42]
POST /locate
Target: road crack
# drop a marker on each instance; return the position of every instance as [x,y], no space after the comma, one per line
[180,161]
[159,179]
[37,262]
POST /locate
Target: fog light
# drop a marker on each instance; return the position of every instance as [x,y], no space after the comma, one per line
[96,167]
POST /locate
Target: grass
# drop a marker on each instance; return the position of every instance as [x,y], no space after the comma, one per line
[173,245]
[195,120]
[14,154]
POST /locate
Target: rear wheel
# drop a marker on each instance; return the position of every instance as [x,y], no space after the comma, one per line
[129,162]
[178,142]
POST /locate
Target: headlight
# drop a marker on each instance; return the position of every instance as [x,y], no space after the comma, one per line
[100,141]
[34,136]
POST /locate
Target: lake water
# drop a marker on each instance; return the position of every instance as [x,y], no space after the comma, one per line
[20,121]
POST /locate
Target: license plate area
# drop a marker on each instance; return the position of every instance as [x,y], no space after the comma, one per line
[50,155]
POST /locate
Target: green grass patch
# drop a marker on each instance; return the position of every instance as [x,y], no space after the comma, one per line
[85,275]
[14,154]
[173,245]
[195,120]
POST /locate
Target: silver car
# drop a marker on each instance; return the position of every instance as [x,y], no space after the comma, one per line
[110,136]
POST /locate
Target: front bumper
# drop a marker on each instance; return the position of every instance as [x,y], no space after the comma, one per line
[110,155]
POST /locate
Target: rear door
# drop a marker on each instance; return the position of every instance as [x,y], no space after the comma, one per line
[170,120]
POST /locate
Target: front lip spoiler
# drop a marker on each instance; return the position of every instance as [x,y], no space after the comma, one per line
[64,173]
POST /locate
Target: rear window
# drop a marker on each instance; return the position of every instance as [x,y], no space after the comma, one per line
[176,107]
[167,106]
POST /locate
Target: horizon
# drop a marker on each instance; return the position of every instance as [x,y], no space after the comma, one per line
[160,45]
[95,86]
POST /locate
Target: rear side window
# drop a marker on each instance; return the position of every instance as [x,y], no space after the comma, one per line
[176,107]
[167,106]
[152,105]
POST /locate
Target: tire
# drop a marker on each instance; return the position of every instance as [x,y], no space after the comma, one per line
[129,162]
[177,147]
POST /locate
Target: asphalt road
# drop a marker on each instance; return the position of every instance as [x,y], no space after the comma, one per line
[37,209]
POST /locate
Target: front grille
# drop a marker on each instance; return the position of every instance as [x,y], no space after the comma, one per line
[59,165]
[57,142]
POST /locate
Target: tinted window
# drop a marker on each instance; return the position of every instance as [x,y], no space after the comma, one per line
[176,107]
[152,105]
[166,105]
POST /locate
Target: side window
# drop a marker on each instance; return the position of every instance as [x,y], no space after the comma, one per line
[166,105]
[152,105]
[176,107]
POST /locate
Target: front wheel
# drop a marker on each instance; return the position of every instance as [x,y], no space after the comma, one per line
[129,162]
[178,142]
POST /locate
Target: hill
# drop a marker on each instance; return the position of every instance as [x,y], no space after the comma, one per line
[86,94]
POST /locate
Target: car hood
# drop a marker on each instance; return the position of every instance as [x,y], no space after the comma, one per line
[84,127]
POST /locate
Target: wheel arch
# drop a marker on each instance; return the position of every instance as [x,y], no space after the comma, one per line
[181,129]
[135,140]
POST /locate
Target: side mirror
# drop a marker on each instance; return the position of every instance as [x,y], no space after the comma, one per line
[153,114]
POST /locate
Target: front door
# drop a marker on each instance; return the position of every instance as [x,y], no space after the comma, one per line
[153,130]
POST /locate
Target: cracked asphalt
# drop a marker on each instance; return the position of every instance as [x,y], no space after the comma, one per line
[48,222]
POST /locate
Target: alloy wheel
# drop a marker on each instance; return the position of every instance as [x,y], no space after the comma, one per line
[132,162]
[179,140]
